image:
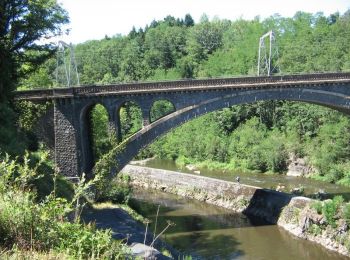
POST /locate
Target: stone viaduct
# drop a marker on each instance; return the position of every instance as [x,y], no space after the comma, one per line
[191,98]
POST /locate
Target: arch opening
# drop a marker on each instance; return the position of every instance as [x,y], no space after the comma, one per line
[99,131]
[161,108]
[130,115]
[95,136]
[169,122]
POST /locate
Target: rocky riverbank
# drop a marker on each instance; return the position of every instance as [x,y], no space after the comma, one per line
[126,228]
[293,213]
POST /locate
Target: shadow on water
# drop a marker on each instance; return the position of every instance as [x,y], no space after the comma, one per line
[324,196]
[205,245]
[207,232]
[267,204]
[201,230]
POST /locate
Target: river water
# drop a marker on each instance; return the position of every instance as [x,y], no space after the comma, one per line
[311,187]
[208,232]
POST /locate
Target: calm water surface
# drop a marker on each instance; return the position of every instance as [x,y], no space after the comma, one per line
[208,232]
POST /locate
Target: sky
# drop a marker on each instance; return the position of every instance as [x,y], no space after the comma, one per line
[94,19]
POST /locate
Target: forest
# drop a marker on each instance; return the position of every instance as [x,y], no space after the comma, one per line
[40,210]
[259,137]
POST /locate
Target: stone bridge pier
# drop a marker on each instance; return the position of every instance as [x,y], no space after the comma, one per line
[191,98]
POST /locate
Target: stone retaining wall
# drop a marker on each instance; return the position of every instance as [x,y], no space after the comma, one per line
[293,213]
[251,200]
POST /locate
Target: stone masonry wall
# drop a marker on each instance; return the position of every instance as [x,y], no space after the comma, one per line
[252,200]
[293,213]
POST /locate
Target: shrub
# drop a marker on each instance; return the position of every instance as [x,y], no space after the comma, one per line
[117,192]
[315,229]
[330,210]
[346,213]
[317,206]
[44,226]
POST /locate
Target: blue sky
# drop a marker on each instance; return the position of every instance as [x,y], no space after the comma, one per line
[93,19]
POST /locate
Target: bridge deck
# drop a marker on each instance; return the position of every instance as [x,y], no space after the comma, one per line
[183,85]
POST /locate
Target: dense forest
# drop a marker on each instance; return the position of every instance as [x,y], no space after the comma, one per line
[40,210]
[258,137]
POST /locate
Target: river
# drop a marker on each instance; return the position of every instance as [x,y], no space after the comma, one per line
[311,186]
[208,232]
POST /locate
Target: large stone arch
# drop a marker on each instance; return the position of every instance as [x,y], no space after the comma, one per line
[160,127]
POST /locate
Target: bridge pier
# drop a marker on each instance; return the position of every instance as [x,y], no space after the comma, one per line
[145,117]
[68,150]
[114,126]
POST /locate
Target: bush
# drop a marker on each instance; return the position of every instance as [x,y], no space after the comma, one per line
[346,213]
[331,210]
[45,226]
[315,229]
[118,191]
[317,206]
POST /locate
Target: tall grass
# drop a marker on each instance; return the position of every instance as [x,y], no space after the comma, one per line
[29,223]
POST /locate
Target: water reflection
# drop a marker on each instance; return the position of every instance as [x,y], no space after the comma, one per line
[209,232]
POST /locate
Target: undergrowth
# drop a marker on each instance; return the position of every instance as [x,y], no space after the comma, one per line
[42,220]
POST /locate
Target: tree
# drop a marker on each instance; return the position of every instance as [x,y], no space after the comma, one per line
[205,38]
[188,20]
[23,24]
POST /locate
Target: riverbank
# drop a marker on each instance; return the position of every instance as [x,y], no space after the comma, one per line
[127,228]
[293,213]
[309,187]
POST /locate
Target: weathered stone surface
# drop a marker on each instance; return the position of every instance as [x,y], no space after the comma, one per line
[298,218]
[146,252]
[266,204]
[298,167]
[66,139]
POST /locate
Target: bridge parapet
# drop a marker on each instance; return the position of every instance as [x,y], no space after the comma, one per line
[181,85]
[191,98]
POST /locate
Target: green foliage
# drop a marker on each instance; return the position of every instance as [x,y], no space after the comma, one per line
[331,147]
[29,113]
[315,229]
[44,226]
[105,170]
[332,210]
[12,141]
[257,137]
[118,191]
[205,38]
[317,206]
[346,213]
[23,24]
[130,119]
[100,133]
[161,108]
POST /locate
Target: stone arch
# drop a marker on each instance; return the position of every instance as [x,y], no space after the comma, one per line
[89,155]
[129,114]
[161,108]
[160,127]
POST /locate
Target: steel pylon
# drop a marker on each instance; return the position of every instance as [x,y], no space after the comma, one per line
[268,55]
[66,66]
